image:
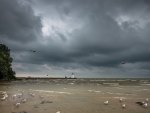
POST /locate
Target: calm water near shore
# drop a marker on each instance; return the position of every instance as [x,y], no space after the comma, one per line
[75,96]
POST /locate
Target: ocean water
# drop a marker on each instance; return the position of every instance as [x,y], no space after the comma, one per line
[75,96]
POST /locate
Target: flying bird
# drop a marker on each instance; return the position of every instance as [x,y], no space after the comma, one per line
[33,51]
[123,62]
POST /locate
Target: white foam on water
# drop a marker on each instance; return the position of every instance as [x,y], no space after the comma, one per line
[71,83]
[47,91]
[111,84]
[97,91]
[145,84]
[119,88]
[119,93]
[97,80]
[90,90]
[143,90]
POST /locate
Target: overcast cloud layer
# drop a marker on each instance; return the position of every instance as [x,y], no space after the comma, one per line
[88,37]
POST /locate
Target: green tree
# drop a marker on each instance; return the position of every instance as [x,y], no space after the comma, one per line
[6,71]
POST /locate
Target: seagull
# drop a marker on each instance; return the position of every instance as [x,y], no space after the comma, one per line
[106,102]
[41,97]
[14,96]
[32,94]
[123,106]
[2,99]
[145,105]
[24,100]
[33,51]
[123,62]
[58,112]
[146,99]
[5,95]
[17,104]
[121,99]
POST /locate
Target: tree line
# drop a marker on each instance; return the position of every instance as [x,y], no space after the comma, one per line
[6,71]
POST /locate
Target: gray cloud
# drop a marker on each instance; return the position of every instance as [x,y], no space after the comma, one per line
[78,35]
[18,23]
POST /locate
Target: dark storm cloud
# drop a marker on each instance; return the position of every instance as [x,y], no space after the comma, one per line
[78,34]
[17,22]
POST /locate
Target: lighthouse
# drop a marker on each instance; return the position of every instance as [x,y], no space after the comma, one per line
[72,75]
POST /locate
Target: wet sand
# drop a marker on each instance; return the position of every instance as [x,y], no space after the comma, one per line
[75,96]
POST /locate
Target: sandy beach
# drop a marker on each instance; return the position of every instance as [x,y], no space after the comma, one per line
[75,96]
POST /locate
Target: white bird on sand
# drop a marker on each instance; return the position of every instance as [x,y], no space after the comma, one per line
[19,95]
[14,96]
[24,100]
[3,93]
[121,99]
[58,112]
[106,102]
[17,104]
[41,97]
[2,99]
[32,94]
[145,105]
[146,99]
[123,106]
[4,96]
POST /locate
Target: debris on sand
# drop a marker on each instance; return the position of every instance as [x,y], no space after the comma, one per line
[23,112]
[35,106]
[46,101]
[140,103]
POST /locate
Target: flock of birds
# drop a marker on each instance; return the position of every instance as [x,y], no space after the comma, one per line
[23,100]
[121,100]
[15,96]
[18,96]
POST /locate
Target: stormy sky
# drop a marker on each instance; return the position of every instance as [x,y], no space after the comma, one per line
[91,38]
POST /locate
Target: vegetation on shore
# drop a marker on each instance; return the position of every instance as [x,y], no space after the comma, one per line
[6,71]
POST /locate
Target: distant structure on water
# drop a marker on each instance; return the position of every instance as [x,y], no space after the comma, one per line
[71,77]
